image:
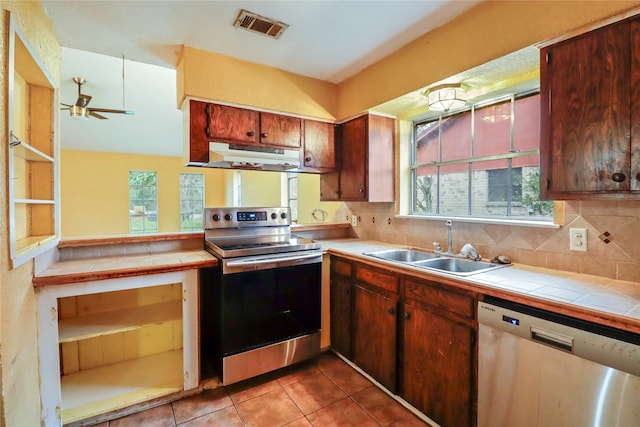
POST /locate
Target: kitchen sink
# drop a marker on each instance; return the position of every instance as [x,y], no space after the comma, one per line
[434,261]
[403,255]
[459,266]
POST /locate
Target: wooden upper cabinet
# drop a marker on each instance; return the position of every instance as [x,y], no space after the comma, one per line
[242,126]
[366,171]
[283,131]
[589,98]
[233,125]
[319,146]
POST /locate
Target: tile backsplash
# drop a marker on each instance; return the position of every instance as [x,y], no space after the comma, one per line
[613,236]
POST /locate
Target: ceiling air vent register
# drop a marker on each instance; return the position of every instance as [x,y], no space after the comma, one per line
[259,24]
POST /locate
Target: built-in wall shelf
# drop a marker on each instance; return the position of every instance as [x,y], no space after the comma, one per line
[33,155]
[116,321]
[108,388]
[29,153]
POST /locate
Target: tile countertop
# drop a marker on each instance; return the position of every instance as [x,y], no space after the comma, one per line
[109,267]
[597,299]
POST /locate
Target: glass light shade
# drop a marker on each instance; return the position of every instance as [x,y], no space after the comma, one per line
[446,97]
[77,112]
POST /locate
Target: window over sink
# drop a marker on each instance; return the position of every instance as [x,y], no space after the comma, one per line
[480,162]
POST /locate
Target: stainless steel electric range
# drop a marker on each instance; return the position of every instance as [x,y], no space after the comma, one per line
[260,309]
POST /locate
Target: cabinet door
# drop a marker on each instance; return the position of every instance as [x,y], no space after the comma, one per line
[585,114]
[635,105]
[319,145]
[231,124]
[340,312]
[381,159]
[438,362]
[276,129]
[354,158]
[374,335]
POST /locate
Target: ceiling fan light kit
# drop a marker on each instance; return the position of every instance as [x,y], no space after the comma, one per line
[446,97]
[78,113]
[81,110]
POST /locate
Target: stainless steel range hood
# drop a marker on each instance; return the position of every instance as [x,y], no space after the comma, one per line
[222,155]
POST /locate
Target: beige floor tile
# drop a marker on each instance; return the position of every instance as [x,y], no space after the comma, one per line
[161,416]
[342,413]
[200,404]
[347,378]
[227,417]
[273,409]
[314,393]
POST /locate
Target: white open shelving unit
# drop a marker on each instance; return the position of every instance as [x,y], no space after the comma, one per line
[159,370]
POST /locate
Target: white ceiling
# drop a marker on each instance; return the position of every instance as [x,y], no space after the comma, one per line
[329,40]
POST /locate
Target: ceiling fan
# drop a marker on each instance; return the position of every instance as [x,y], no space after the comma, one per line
[81,110]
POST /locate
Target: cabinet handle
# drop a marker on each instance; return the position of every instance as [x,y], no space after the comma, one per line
[407,316]
[264,134]
[251,133]
[618,177]
[361,190]
[307,159]
[391,311]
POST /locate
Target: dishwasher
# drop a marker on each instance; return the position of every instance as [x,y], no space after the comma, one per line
[538,368]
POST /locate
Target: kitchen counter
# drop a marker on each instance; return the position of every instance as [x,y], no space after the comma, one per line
[88,258]
[109,267]
[597,299]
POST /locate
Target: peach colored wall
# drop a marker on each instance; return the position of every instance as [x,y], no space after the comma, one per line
[487,32]
[20,402]
[215,77]
[95,195]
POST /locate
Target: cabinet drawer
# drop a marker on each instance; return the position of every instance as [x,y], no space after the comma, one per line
[341,267]
[437,296]
[377,278]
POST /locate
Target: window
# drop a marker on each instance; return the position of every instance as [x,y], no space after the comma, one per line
[481,162]
[143,202]
[292,195]
[191,201]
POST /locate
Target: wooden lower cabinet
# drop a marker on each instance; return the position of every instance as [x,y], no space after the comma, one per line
[415,336]
[438,366]
[375,335]
[340,311]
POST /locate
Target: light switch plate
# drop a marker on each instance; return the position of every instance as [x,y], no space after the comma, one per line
[354,221]
[578,239]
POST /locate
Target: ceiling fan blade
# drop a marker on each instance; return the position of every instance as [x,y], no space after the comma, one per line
[96,115]
[107,110]
[66,105]
[83,100]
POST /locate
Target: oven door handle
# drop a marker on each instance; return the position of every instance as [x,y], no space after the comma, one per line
[241,263]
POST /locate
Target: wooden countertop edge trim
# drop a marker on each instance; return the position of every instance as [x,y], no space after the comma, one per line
[583,313]
[64,279]
[127,238]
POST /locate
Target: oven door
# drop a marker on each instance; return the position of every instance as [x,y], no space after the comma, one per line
[258,319]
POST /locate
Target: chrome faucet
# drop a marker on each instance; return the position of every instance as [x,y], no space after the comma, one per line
[467,250]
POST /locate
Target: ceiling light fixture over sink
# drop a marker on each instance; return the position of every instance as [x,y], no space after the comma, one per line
[446,97]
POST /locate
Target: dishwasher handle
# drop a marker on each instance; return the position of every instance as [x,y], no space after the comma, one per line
[558,341]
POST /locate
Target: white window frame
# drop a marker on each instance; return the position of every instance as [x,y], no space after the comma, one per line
[408,190]
[139,210]
[191,215]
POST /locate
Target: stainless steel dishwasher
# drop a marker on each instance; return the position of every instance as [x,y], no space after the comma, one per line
[537,368]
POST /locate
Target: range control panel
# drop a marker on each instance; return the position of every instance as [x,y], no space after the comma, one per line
[246,217]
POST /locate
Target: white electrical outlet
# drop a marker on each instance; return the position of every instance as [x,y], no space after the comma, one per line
[578,239]
[354,221]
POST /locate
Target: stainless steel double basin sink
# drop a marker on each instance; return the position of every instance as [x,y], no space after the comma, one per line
[435,262]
